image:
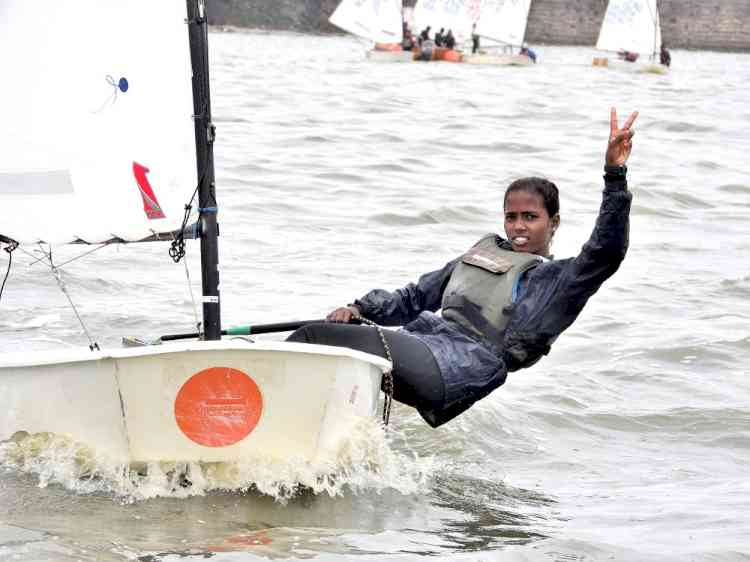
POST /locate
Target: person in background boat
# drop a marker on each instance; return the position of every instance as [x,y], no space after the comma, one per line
[408,42]
[474,39]
[424,35]
[440,38]
[525,50]
[664,57]
[628,56]
[450,40]
[504,302]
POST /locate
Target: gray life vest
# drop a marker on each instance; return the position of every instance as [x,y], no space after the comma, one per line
[479,293]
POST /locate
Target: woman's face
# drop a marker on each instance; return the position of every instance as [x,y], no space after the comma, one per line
[528,226]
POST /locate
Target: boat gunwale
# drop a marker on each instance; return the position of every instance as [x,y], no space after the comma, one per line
[67,356]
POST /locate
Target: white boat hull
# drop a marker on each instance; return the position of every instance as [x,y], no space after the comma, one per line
[646,67]
[390,56]
[498,60]
[198,401]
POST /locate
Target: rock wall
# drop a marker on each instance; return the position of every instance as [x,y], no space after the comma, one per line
[692,24]
[706,24]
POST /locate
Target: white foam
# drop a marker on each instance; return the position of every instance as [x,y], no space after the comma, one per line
[366,462]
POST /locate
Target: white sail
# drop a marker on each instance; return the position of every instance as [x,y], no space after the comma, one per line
[98,140]
[631,25]
[504,20]
[380,21]
[456,15]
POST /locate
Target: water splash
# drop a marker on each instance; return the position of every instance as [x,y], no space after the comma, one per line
[367,461]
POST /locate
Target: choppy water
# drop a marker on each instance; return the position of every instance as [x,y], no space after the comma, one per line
[630,441]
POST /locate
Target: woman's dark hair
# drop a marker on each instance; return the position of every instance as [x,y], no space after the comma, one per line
[538,186]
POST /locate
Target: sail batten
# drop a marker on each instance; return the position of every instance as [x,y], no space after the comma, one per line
[36,183]
[97,121]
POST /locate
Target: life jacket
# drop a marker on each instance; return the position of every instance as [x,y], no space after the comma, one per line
[479,293]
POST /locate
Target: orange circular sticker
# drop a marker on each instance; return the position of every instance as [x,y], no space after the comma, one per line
[218,407]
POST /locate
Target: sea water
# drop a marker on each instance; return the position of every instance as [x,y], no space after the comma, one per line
[336,175]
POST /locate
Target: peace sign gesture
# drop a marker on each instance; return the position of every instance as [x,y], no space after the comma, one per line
[620,140]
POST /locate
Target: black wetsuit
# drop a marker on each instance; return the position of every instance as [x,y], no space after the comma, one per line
[432,352]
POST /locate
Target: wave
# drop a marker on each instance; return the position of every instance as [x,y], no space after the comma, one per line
[441,215]
[681,127]
[493,147]
[365,462]
[735,189]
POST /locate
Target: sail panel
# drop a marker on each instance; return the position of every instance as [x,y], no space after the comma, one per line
[380,21]
[456,15]
[631,25]
[99,140]
[504,20]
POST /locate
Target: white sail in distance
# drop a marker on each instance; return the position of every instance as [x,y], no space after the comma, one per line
[456,15]
[504,20]
[99,141]
[380,21]
[631,25]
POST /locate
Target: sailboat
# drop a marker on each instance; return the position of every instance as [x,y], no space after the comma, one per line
[632,29]
[504,23]
[107,133]
[376,21]
[457,16]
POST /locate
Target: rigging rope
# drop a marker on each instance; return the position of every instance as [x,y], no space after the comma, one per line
[177,247]
[10,246]
[177,253]
[388,374]
[192,296]
[58,277]
[44,256]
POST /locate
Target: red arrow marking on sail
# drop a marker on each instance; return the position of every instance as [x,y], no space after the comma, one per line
[150,205]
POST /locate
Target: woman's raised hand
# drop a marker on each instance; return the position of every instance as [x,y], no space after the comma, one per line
[343,314]
[620,140]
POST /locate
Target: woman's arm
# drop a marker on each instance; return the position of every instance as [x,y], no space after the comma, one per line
[402,305]
[602,255]
[558,290]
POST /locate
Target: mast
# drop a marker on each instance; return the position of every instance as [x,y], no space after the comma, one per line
[204,138]
[656,30]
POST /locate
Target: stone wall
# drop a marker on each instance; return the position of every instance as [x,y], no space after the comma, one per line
[706,24]
[565,22]
[692,24]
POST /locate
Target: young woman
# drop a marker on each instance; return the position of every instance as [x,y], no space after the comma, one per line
[503,303]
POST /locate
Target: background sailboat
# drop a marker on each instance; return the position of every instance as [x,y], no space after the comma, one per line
[502,22]
[457,16]
[632,26]
[107,139]
[376,21]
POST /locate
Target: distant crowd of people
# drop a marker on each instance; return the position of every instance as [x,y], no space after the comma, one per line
[447,40]
[442,38]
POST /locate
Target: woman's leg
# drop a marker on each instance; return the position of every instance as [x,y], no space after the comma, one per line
[416,377]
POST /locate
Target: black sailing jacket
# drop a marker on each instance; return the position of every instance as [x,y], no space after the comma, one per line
[554,293]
